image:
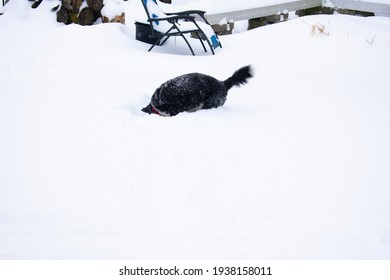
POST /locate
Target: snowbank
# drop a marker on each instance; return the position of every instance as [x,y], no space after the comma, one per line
[294,166]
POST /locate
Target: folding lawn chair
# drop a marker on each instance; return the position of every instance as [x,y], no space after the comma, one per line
[161,26]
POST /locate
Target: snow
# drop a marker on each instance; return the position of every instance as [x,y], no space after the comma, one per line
[377,1]
[112,8]
[327,3]
[295,165]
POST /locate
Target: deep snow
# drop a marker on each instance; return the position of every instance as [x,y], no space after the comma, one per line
[294,166]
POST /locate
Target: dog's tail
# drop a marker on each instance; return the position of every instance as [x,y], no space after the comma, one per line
[240,77]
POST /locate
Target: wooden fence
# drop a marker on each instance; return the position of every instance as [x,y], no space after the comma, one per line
[379,9]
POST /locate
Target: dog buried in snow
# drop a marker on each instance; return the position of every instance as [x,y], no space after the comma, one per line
[195,91]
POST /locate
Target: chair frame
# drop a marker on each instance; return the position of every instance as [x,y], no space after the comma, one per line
[174,30]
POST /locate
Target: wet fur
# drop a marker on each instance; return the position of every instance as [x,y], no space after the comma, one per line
[195,91]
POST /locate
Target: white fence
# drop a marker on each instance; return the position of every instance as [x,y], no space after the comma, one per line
[381,9]
[263,11]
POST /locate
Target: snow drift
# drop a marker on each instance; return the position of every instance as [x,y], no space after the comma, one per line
[294,166]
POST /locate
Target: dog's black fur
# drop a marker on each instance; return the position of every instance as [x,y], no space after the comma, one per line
[195,91]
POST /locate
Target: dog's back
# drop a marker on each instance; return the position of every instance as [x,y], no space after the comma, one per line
[186,93]
[195,91]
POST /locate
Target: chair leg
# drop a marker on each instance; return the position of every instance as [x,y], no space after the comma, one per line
[188,44]
[166,39]
[204,37]
[163,42]
[219,42]
[201,41]
[154,44]
[210,46]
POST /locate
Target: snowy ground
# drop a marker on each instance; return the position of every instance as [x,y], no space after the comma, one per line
[294,166]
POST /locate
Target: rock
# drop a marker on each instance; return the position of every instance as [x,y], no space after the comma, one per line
[86,16]
[95,5]
[223,29]
[63,15]
[118,18]
[113,11]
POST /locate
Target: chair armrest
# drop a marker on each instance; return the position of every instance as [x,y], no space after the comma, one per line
[173,18]
[192,12]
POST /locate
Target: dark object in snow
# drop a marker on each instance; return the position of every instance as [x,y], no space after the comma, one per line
[86,16]
[69,11]
[54,9]
[195,91]
[36,4]
[95,5]
[144,34]
[63,15]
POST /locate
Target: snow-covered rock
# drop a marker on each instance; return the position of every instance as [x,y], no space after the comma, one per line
[113,11]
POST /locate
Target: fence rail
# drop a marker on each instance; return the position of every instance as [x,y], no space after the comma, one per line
[376,8]
[263,11]
[379,9]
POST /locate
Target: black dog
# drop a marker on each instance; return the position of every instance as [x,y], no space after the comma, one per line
[192,92]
